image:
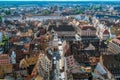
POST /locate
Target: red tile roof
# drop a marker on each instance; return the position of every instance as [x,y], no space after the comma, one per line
[85,27]
[105,32]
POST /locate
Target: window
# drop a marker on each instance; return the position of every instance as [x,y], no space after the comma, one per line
[71,63]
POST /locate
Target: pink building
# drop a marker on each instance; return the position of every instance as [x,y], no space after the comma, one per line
[70,61]
[4,59]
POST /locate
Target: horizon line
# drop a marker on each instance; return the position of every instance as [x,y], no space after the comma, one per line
[67,0]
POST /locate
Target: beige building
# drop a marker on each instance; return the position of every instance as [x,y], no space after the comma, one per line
[44,65]
[45,62]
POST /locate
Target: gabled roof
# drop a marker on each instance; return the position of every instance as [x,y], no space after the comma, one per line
[106,32]
[100,69]
[90,47]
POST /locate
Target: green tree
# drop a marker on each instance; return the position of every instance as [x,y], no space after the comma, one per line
[78,11]
[90,19]
[108,40]
[7,12]
[61,8]
[0,18]
[46,12]
[4,39]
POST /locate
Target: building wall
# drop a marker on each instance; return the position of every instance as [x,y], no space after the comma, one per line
[88,32]
[45,63]
[70,62]
[106,36]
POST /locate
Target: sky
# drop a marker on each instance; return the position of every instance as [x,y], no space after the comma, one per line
[59,0]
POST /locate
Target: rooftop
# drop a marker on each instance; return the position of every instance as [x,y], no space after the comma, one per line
[106,32]
[61,28]
[111,62]
[4,56]
[118,37]
[85,27]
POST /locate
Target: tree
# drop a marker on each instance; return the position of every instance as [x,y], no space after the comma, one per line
[78,11]
[4,39]
[0,18]
[46,12]
[2,43]
[61,8]
[108,40]
[7,12]
[90,19]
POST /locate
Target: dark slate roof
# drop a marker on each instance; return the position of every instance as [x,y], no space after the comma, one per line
[88,27]
[89,53]
[68,38]
[89,37]
[61,28]
[111,62]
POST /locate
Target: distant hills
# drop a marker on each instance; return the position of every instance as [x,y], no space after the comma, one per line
[43,3]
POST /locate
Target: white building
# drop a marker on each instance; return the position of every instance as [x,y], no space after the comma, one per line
[13,57]
[60,48]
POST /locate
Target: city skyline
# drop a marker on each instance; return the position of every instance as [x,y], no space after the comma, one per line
[59,0]
[59,39]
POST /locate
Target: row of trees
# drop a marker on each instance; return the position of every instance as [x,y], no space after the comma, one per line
[8,12]
[46,12]
[78,11]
